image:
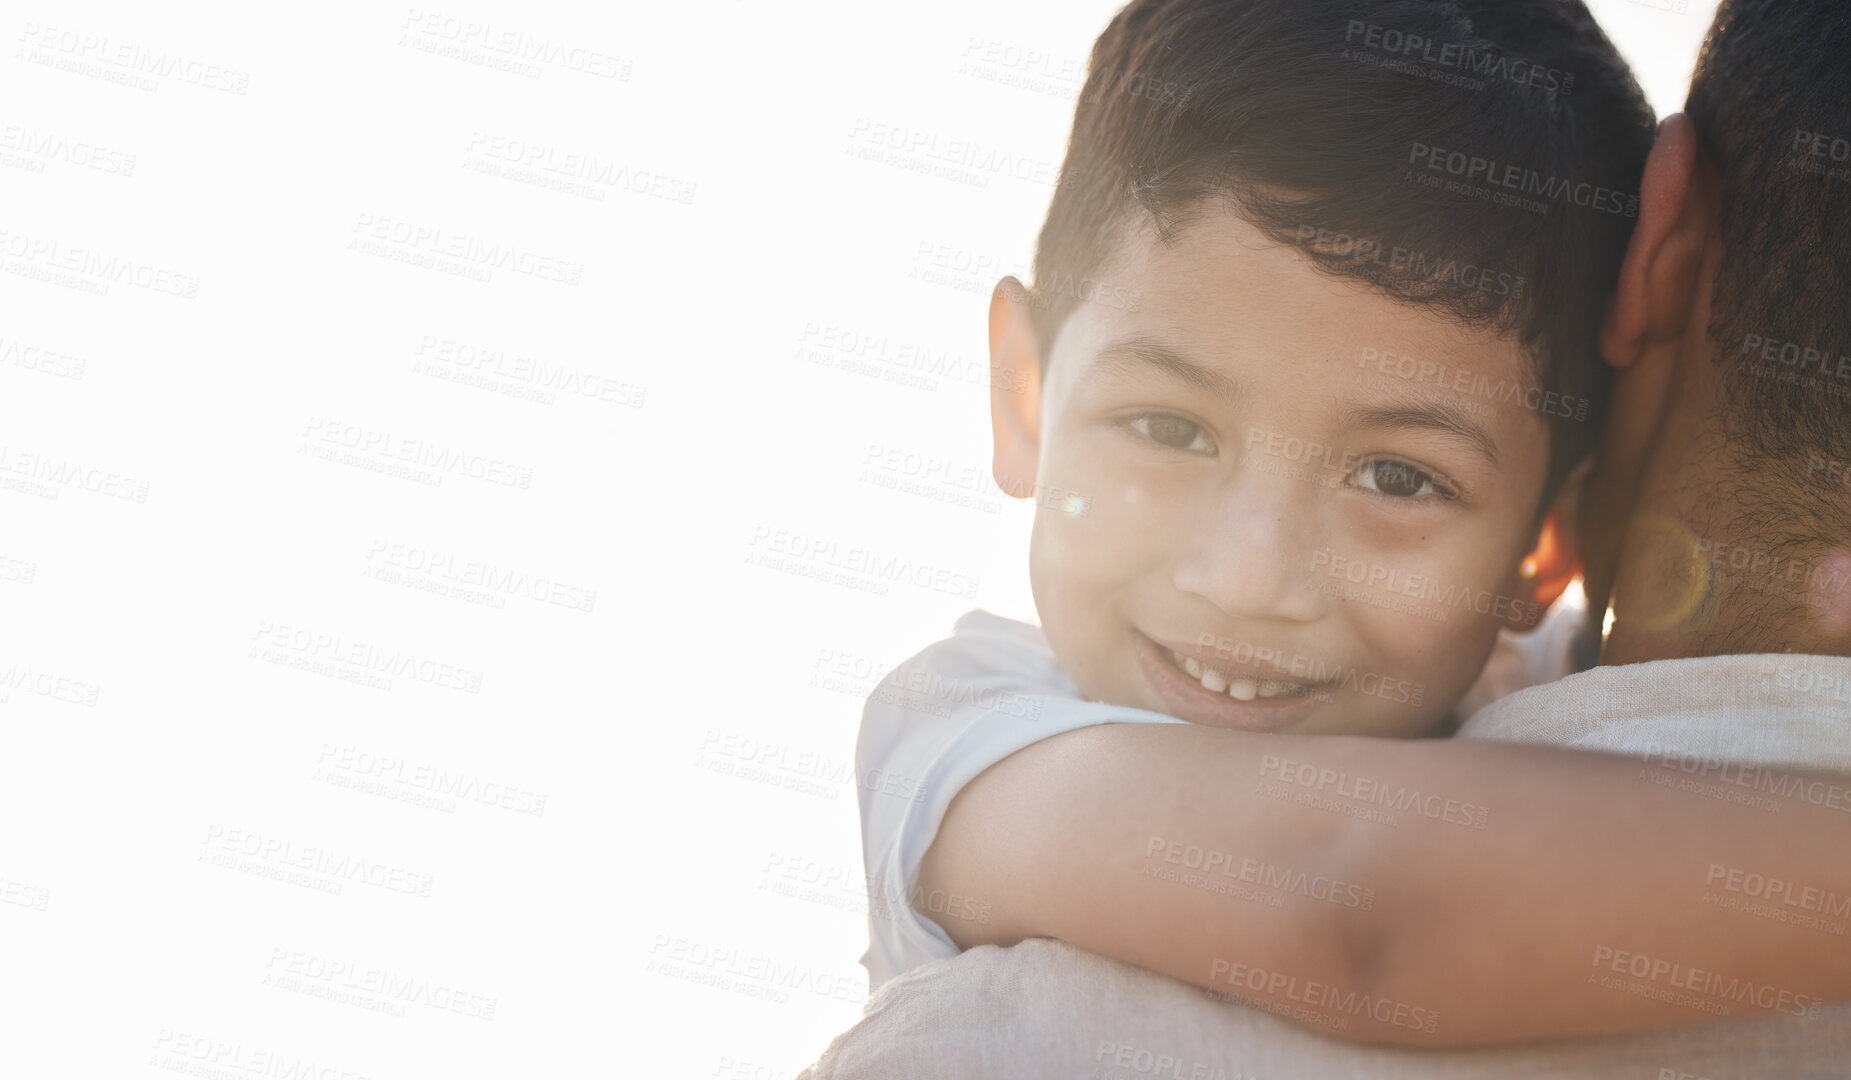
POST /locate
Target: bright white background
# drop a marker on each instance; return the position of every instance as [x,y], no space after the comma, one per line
[637,714]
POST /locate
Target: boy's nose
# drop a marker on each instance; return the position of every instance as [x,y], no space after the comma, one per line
[1248,552]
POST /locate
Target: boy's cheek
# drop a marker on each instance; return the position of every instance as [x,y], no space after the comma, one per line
[1109,531]
[1082,554]
[1444,660]
[1087,571]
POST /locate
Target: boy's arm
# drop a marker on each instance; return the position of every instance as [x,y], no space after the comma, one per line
[1442,892]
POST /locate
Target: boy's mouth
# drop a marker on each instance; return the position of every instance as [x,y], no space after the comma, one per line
[1218,694]
[1240,687]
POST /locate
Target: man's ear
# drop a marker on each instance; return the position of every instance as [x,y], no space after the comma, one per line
[1549,569]
[1658,278]
[1015,390]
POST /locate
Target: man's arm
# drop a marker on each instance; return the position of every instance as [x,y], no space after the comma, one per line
[1442,892]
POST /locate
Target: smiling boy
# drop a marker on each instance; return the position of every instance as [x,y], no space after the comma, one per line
[1235,461]
[1286,533]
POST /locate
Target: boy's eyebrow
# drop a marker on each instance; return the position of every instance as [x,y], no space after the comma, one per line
[1439,416]
[1141,353]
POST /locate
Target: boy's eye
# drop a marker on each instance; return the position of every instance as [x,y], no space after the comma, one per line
[1399,480]
[1173,431]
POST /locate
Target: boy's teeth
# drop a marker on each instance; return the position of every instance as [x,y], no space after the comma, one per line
[1240,689]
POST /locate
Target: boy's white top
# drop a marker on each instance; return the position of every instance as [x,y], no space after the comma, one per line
[939,719]
[992,688]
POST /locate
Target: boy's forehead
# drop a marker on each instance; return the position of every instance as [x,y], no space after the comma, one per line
[1220,288]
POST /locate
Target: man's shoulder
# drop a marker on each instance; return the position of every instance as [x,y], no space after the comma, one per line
[1770,708]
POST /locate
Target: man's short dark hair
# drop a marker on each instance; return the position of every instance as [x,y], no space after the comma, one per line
[1480,157]
[1771,103]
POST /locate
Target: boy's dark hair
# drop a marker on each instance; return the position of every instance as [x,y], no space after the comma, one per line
[1325,122]
[1771,102]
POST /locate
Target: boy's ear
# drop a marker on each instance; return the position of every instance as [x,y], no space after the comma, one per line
[1657,285]
[1548,570]
[1015,390]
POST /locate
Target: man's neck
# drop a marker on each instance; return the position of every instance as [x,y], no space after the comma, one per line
[1704,569]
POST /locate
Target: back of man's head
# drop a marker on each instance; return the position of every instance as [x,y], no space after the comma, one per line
[1771,102]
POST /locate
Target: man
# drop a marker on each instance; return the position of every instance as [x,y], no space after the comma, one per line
[1717,534]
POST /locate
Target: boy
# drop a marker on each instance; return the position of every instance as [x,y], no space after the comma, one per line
[1324,459]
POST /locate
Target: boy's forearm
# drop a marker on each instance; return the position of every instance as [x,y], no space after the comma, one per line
[1434,893]
[1070,838]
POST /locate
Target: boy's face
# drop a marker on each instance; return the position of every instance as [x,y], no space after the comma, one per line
[1304,504]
